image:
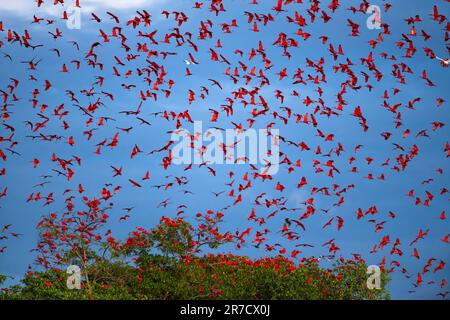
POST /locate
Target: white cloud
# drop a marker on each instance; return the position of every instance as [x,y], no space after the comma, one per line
[29,7]
[119,4]
[17,5]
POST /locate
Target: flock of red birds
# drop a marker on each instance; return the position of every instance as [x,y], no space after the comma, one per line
[140,60]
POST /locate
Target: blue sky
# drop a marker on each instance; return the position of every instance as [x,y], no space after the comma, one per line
[357,236]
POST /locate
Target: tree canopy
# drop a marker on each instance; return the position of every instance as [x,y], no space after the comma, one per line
[169,262]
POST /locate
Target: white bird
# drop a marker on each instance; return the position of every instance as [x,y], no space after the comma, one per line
[328,257]
[187,62]
[446,62]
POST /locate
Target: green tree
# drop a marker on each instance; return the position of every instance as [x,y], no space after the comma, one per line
[166,262]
